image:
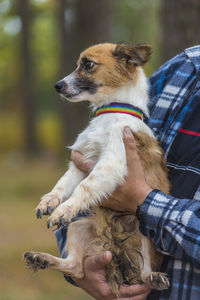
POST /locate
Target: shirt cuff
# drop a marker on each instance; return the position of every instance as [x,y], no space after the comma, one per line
[153,215]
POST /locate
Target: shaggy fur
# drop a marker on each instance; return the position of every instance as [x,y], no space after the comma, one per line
[106,73]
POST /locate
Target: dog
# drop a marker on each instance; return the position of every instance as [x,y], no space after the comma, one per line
[111,78]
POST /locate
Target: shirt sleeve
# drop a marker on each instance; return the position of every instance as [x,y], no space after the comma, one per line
[172,224]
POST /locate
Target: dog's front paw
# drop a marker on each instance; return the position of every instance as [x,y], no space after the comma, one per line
[62,215]
[157,281]
[48,203]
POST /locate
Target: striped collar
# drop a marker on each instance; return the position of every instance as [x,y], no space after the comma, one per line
[124,108]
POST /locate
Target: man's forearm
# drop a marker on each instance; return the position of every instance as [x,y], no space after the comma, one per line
[172,224]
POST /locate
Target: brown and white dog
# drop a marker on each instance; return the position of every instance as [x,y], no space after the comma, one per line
[108,76]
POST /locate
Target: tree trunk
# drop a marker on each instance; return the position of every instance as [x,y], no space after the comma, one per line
[180,21]
[26,79]
[81,23]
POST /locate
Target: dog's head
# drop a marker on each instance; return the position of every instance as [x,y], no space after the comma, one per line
[101,70]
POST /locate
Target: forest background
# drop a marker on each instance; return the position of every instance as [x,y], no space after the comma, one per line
[40,41]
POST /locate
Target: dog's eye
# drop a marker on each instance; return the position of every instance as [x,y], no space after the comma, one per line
[88,64]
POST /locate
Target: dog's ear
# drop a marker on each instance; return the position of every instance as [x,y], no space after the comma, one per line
[137,55]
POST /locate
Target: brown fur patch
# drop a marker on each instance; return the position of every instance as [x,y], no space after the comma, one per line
[154,165]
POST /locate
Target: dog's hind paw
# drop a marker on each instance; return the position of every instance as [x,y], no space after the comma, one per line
[157,281]
[35,261]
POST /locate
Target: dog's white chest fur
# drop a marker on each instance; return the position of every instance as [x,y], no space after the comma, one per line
[106,130]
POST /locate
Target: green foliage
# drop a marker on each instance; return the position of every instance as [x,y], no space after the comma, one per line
[23,182]
[133,21]
[138,22]
[11,133]
[45,48]
[48,128]
[48,131]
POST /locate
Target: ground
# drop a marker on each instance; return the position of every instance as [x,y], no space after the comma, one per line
[22,183]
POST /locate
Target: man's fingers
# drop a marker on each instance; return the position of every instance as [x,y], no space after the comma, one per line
[129,143]
[99,261]
[130,146]
[128,138]
[141,297]
[136,290]
[80,162]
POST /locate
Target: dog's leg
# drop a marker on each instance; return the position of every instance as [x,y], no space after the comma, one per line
[80,242]
[155,280]
[108,173]
[61,192]
[40,261]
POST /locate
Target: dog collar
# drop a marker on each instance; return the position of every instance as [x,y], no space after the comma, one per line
[123,108]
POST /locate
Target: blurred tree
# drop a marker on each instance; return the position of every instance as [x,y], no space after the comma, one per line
[26,79]
[133,24]
[40,41]
[81,23]
[180,23]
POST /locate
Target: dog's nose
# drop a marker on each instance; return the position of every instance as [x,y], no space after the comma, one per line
[59,85]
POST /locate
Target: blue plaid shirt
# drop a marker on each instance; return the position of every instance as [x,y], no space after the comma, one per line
[173,222]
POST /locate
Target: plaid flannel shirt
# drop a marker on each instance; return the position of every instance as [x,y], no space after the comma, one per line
[173,222]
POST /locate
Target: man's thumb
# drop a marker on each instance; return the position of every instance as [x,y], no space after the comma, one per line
[128,138]
[99,261]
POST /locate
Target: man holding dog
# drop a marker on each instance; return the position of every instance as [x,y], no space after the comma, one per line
[172,221]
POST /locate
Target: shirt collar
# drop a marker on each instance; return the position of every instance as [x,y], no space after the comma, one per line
[193,53]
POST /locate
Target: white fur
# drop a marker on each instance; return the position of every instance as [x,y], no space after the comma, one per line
[101,141]
[71,87]
[135,95]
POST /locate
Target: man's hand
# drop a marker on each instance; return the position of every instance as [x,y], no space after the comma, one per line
[96,285]
[135,189]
